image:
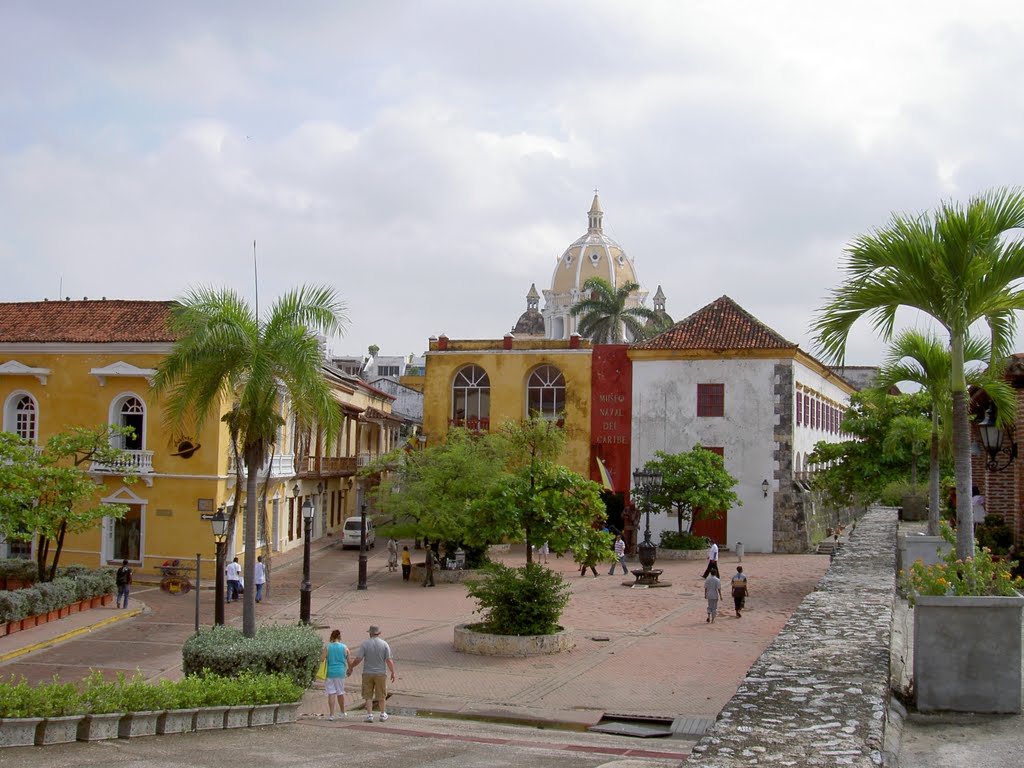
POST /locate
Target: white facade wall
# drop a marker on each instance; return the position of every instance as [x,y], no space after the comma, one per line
[665,419]
[805,437]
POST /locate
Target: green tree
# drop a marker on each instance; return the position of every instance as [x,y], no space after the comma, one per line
[536,499]
[605,313]
[908,434]
[924,359]
[227,357]
[957,266]
[693,483]
[49,493]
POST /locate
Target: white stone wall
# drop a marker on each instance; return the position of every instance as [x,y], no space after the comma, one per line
[665,419]
[806,437]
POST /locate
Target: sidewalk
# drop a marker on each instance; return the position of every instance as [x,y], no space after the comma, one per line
[640,653]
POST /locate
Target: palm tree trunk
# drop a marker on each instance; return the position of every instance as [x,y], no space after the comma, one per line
[253,462]
[961,451]
[933,477]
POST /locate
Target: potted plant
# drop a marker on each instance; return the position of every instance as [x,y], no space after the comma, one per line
[182,700]
[521,608]
[17,724]
[103,703]
[967,633]
[142,703]
[62,707]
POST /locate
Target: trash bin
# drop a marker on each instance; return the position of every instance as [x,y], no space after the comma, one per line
[739,551]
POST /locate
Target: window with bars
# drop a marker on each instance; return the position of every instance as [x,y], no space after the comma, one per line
[545,393]
[711,399]
[471,398]
[25,418]
[799,409]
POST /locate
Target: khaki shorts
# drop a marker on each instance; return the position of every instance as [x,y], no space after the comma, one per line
[375,687]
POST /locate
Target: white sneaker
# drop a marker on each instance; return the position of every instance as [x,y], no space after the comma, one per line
[330,717]
[369,718]
[384,716]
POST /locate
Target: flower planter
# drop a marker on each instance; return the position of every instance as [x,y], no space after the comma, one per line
[18,731]
[13,626]
[63,612]
[176,721]
[483,644]
[928,549]
[263,714]
[3,628]
[52,615]
[210,718]
[58,730]
[137,724]
[237,717]
[29,621]
[106,599]
[95,602]
[99,727]
[288,713]
[967,653]
[683,554]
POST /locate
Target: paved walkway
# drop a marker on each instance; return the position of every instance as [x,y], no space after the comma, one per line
[639,652]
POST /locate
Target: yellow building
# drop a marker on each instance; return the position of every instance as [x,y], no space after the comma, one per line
[483,384]
[85,363]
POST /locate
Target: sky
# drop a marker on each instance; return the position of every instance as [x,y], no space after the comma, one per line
[430,160]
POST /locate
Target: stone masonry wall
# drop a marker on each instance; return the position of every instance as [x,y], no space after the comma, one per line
[818,695]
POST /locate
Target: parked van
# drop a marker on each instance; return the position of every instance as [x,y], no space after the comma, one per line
[350,533]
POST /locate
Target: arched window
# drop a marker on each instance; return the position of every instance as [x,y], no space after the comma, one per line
[545,393]
[471,398]
[21,416]
[129,411]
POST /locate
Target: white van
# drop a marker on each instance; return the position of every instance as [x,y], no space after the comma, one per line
[350,533]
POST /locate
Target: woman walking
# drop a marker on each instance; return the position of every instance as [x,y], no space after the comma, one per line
[336,654]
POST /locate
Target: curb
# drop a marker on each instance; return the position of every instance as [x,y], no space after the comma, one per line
[68,635]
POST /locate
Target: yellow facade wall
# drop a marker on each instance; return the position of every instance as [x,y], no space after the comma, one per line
[508,371]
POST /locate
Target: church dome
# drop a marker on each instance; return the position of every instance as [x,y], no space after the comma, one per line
[531,322]
[592,255]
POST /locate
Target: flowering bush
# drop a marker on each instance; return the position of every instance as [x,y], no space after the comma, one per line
[978,576]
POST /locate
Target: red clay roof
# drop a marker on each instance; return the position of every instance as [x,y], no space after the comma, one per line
[85,321]
[722,324]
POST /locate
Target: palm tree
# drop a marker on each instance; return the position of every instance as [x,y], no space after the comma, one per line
[226,354]
[605,312]
[924,359]
[957,266]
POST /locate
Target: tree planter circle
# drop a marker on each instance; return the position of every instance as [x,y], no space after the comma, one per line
[468,640]
[683,554]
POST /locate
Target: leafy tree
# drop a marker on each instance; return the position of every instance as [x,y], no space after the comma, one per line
[49,493]
[908,434]
[227,356]
[605,313]
[958,266]
[858,470]
[924,359]
[693,483]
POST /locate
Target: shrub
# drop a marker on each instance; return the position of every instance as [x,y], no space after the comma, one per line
[290,650]
[995,534]
[18,568]
[92,584]
[977,576]
[13,605]
[56,594]
[16,698]
[55,699]
[520,601]
[893,494]
[684,540]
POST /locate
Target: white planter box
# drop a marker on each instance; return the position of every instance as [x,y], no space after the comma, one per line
[967,654]
[18,731]
[210,718]
[237,717]
[288,713]
[928,549]
[99,727]
[177,721]
[263,714]
[59,730]
[135,724]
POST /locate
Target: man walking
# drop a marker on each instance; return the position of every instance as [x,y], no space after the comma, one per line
[712,561]
[233,573]
[713,593]
[259,578]
[620,556]
[428,568]
[379,661]
[123,577]
[739,590]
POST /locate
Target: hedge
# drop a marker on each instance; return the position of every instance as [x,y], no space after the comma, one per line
[46,596]
[290,650]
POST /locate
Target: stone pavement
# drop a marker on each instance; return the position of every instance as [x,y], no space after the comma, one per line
[639,652]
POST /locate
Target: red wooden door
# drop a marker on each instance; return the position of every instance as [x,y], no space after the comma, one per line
[716,530]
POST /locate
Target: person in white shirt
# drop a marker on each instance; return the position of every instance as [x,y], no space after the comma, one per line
[712,561]
[977,507]
[620,554]
[259,578]
[233,573]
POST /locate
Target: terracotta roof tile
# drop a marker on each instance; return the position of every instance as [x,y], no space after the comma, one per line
[85,321]
[722,324]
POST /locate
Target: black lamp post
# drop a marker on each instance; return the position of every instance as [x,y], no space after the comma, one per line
[647,482]
[992,440]
[305,591]
[219,522]
[362,549]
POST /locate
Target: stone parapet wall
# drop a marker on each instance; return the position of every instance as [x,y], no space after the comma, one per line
[818,696]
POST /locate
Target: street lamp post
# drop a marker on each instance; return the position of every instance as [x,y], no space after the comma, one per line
[305,591]
[647,482]
[362,549]
[219,523]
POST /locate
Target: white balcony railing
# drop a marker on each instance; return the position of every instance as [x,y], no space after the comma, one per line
[134,463]
[280,465]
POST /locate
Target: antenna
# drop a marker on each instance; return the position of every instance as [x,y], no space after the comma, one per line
[60,287]
[256,279]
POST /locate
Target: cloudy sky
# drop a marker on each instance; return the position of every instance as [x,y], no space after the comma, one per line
[432,159]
